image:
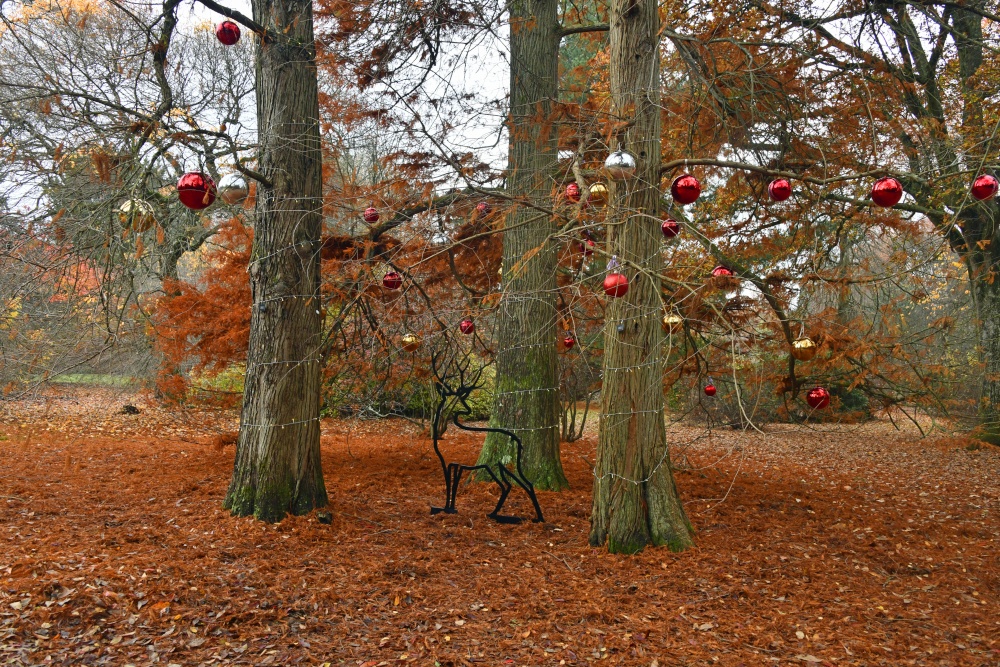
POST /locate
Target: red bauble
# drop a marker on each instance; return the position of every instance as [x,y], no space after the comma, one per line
[818,398]
[573,192]
[722,272]
[887,192]
[587,247]
[685,189]
[483,207]
[569,341]
[392,280]
[984,187]
[779,189]
[710,390]
[615,285]
[670,228]
[371,215]
[196,190]
[228,33]
[467,326]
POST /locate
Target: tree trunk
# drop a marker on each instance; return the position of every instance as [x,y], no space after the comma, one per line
[635,499]
[527,384]
[278,467]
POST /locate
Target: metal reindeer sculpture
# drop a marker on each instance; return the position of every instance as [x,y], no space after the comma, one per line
[455,380]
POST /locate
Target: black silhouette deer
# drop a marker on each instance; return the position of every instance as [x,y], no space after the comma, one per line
[455,380]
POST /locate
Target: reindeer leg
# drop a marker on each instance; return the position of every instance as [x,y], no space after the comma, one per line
[451,489]
[528,489]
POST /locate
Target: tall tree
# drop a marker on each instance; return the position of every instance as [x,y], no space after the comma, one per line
[527,383]
[635,498]
[277,469]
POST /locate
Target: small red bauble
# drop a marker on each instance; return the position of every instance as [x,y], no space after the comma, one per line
[670,228]
[467,326]
[984,187]
[569,341]
[228,33]
[371,215]
[722,272]
[887,192]
[818,398]
[685,189]
[615,285]
[779,189]
[587,247]
[573,192]
[196,190]
[710,390]
[392,280]
[483,207]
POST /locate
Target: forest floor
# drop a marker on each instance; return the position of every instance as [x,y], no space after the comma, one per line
[827,545]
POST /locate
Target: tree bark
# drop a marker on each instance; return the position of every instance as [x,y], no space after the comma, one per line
[635,498]
[527,384]
[277,468]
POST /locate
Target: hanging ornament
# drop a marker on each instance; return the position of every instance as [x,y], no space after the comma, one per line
[818,398]
[228,33]
[673,322]
[573,192]
[620,165]
[371,215]
[392,280]
[803,349]
[587,247]
[779,189]
[887,192]
[615,285]
[196,190]
[467,326]
[710,389]
[483,207]
[724,278]
[233,189]
[670,228]
[411,343]
[598,194]
[137,214]
[568,341]
[685,189]
[985,186]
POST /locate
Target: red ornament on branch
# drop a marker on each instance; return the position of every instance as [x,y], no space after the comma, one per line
[818,398]
[984,187]
[722,272]
[615,285]
[228,33]
[710,389]
[483,207]
[392,280]
[573,192]
[467,326]
[685,189]
[887,192]
[371,215]
[670,228]
[196,190]
[779,189]
[568,341]
[587,247]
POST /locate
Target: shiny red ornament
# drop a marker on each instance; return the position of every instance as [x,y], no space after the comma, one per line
[818,398]
[371,215]
[569,341]
[887,192]
[685,189]
[196,190]
[670,228]
[779,189]
[483,207]
[985,186]
[722,272]
[615,285]
[573,192]
[392,280]
[228,33]
[467,326]
[587,247]
[710,390]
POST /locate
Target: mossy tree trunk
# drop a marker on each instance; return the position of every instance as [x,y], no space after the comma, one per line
[277,468]
[527,383]
[635,499]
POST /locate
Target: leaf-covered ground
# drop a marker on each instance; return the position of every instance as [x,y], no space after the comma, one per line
[829,545]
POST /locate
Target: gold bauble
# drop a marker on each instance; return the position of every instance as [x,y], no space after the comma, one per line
[411,342]
[137,214]
[803,349]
